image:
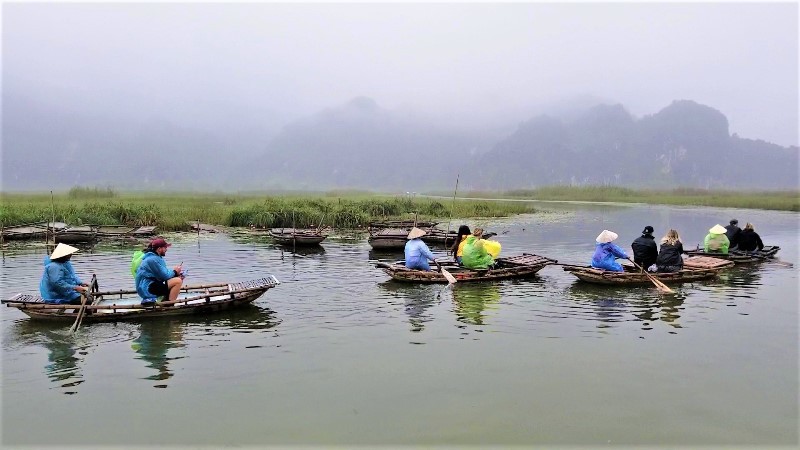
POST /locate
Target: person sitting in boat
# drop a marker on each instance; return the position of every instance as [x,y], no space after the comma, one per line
[732,232]
[606,253]
[458,246]
[153,279]
[716,241]
[417,252]
[749,240]
[645,250]
[669,256]
[475,254]
[60,284]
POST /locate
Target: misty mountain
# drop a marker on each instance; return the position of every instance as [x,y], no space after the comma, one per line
[685,144]
[363,146]
[360,145]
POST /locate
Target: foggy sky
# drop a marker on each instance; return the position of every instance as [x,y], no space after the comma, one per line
[201,64]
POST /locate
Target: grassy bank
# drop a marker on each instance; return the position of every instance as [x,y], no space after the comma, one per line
[171,211]
[776,200]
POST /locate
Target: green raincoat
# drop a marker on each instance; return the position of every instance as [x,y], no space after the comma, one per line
[475,256]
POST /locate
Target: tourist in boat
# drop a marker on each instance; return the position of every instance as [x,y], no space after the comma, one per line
[475,255]
[645,250]
[606,253]
[732,232]
[60,284]
[458,246]
[153,278]
[749,240]
[669,256]
[417,252]
[716,241]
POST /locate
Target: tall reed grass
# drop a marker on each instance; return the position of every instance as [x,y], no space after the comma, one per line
[171,212]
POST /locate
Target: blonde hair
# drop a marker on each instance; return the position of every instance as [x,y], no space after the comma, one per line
[749,226]
[478,232]
[671,237]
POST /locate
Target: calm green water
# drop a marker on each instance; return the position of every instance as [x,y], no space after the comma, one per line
[339,355]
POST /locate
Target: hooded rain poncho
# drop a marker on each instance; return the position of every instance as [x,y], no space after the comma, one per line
[475,256]
[153,268]
[605,256]
[58,282]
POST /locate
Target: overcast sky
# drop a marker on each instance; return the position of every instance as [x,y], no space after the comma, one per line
[488,63]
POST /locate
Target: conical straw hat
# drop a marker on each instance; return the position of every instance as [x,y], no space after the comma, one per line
[415,233]
[717,229]
[63,250]
[606,236]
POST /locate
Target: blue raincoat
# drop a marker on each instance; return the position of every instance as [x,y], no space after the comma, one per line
[153,268]
[58,282]
[417,255]
[605,255]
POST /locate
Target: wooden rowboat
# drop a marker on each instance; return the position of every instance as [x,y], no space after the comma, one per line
[77,235]
[297,236]
[126,304]
[633,276]
[520,266]
[741,257]
[388,238]
[36,230]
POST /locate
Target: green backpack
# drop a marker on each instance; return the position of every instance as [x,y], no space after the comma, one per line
[136,261]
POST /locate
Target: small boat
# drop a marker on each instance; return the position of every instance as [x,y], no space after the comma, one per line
[401,224]
[633,276]
[38,230]
[740,257]
[126,304]
[520,266]
[297,236]
[388,238]
[124,231]
[77,235]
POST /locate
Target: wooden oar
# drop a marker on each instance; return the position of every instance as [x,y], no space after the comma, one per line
[659,285]
[85,296]
[447,275]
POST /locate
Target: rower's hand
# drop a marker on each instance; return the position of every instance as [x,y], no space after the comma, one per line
[178,269]
[80,288]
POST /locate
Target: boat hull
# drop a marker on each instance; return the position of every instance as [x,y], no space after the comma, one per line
[607,277]
[125,305]
[517,267]
[740,257]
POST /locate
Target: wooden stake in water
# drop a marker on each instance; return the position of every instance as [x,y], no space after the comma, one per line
[47,233]
[452,207]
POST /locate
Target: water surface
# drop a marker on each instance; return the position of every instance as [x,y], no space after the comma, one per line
[339,355]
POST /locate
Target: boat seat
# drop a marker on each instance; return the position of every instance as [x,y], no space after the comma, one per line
[24,298]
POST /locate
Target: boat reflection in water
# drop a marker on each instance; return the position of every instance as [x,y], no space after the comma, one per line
[470,300]
[62,360]
[155,340]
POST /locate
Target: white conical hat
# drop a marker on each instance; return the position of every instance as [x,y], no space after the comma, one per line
[415,233]
[606,236]
[63,250]
[717,229]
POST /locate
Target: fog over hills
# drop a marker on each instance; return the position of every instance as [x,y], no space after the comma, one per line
[360,145]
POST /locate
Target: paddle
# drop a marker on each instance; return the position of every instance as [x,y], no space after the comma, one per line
[659,285]
[447,275]
[86,295]
[763,258]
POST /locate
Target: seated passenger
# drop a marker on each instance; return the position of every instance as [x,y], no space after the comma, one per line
[716,241]
[60,284]
[749,240]
[732,232]
[606,253]
[458,245]
[669,257]
[475,255]
[153,279]
[417,252]
[644,248]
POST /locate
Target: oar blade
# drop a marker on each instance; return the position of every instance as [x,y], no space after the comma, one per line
[448,276]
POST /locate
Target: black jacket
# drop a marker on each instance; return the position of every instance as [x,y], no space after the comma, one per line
[733,232]
[670,255]
[749,240]
[645,250]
